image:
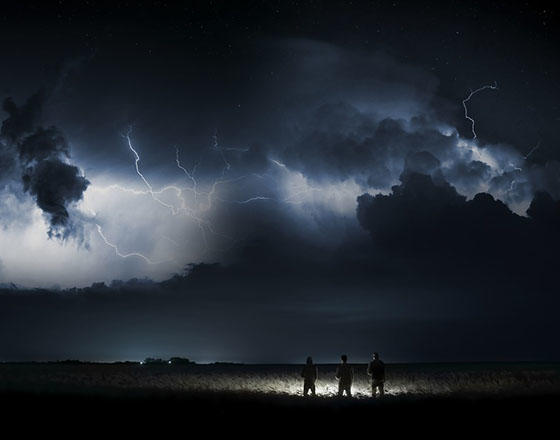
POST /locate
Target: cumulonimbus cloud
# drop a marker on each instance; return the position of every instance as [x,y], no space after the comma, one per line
[425,219]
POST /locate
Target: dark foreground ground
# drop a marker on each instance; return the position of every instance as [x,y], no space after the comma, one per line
[208,414]
[199,401]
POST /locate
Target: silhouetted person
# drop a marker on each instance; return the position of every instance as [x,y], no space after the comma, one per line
[345,375]
[309,374]
[376,369]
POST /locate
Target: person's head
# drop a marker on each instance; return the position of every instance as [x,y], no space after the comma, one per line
[309,360]
[376,355]
[344,358]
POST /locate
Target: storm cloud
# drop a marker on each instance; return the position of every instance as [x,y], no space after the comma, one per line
[22,120]
[43,155]
[425,222]
[294,144]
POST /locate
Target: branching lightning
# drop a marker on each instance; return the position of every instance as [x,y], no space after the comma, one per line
[150,189]
[194,212]
[203,199]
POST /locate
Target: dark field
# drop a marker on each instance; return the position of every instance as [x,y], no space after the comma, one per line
[133,396]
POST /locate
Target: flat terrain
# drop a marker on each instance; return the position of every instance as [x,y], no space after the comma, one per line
[130,395]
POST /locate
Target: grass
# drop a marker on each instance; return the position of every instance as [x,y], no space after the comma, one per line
[402,380]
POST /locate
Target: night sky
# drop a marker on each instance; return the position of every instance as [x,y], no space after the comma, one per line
[263,181]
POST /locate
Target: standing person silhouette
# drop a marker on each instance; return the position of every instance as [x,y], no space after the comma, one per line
[345,375]
[309,374]
[376,369]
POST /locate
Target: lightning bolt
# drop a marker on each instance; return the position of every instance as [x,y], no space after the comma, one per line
[253,199]
[468,98]
[150,188]
[517,168]
[131,254]
[118,253]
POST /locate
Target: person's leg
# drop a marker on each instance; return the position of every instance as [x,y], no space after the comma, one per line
[373,389]
[349,390]
[381,389]
[305,388]
[313,389]
[340,389]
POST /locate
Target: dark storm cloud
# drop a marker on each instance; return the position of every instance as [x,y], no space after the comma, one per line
[22,120]
[469,174]
[480,241]
[43,144]
[422,162]
[6,163]
[318,72]
[422,216]
[55,185]
[45,175]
